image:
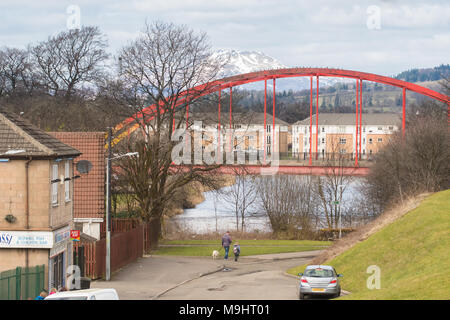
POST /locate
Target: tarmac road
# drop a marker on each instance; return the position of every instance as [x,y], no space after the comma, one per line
[200,278]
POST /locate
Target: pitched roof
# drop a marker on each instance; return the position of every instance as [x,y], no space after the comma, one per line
[350,119]
[19,139]
[89,189]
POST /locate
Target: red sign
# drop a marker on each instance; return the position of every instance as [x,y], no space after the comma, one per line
[75,235]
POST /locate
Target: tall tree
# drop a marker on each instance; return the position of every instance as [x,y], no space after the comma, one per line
[70,59]
[158,68]
[16,72]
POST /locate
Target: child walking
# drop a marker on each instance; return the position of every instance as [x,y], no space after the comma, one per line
[236,251]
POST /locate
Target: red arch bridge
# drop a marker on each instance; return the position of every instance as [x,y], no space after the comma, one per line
[185,98]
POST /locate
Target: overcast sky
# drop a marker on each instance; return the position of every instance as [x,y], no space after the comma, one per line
[383,37]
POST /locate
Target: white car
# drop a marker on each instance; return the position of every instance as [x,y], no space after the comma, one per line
[87,294]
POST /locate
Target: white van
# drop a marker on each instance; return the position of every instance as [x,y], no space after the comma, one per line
[87,294]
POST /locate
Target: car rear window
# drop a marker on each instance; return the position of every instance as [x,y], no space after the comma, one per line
[70,298]
[319,273]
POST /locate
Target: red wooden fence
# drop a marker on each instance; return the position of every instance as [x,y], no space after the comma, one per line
[128,244]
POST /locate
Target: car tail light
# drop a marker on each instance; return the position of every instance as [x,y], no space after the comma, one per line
[304,281]
[333,281]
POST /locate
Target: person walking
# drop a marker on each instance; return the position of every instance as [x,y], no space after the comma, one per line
[226,242]
[236,251]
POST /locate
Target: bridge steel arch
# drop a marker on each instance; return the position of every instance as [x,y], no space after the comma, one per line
[233,81]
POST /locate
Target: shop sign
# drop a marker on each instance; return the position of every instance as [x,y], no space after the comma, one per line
[26,239]
[75,235]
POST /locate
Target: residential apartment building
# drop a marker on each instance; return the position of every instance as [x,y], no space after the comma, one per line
[337,133]
[248,133]
[36,199]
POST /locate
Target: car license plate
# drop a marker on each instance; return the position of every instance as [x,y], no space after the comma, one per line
[318,290]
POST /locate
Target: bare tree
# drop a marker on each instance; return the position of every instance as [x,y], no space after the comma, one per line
[289,203]
[330,188]
[70,59]
[17,75]
[159,68]
[419,162]
[241,196]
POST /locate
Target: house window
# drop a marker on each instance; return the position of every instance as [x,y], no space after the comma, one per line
[380,139]
[323,140]
[342,140]
[54,184]
[67,180]
[391,128]
[380,128]
[370,140]
[323,129]
[342,151]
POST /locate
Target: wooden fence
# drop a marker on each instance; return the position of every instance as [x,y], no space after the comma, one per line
[129,241]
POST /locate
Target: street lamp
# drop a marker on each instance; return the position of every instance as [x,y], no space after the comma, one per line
[108,202]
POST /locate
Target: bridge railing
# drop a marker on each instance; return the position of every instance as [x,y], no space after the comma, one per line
[242,157]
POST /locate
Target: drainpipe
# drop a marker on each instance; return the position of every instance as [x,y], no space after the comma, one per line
[27,205]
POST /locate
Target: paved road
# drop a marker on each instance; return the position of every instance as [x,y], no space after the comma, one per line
[201,278]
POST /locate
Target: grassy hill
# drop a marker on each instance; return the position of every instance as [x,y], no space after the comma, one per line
[413,254]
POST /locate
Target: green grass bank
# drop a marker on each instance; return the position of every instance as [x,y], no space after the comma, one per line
[412,253]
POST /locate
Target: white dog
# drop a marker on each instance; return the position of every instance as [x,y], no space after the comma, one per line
[215,254]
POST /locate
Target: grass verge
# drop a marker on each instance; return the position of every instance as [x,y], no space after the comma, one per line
[412,254]
[248,247]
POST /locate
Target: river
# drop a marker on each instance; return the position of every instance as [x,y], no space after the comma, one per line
[216,213]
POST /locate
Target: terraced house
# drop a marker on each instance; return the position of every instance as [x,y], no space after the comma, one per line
[337,133]
[36,199]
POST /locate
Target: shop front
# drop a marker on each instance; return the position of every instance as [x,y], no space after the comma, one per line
[60,258]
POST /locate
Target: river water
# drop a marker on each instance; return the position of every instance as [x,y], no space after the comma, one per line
[216,213]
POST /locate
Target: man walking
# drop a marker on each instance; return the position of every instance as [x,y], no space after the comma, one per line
[226,242]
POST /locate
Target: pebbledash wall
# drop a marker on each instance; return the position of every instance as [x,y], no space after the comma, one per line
[46,240]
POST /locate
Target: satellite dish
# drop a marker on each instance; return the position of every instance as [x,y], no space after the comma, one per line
[84,166]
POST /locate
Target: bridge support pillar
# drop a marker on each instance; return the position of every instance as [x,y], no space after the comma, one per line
[231,109]
[273,120]
[356,123]
[219,138]
[310,121]
[265,119]
[403,112]
[360,116]
[317,116]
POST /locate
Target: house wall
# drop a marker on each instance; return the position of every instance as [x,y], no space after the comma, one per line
[333,143]
[43,216]
[375,146]
[13,194]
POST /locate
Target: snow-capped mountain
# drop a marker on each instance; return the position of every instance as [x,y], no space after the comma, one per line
[238,62]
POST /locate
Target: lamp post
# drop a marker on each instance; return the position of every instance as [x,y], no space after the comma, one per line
[108,203]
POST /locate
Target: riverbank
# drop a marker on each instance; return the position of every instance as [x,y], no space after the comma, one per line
[191,195]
